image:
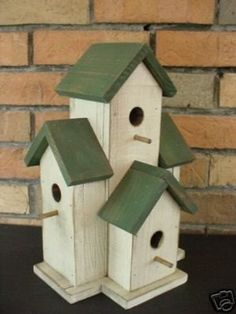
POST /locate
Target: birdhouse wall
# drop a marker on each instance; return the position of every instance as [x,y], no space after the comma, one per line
[58,231]
[75,241]
[90,232]
[98,115]
[176,172]
[131,257]
[139,91]
[164,218]
[120,256]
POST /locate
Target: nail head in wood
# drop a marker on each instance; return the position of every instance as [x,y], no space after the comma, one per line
[163,261]
[142,139]
[49,214]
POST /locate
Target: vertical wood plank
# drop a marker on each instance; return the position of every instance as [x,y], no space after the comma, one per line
[58,231]
[120,256]
[164,217]
[140,90]
[90,230]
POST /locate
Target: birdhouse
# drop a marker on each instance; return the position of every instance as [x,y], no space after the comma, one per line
[73,168]
[143,214]
[92,188]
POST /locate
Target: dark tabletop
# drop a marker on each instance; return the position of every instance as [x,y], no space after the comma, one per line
[210,263]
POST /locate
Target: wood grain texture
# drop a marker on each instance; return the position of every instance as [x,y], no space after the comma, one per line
[98,115]
[58,231]
[164,217]
[130,299]
[174,150]
[120,245]
[174,187]
[140,90]
[76,149]
[132,201]
[103,69]
[63,287]
[90,232]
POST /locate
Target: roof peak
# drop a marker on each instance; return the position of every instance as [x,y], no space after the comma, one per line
[76,149]
[104,68]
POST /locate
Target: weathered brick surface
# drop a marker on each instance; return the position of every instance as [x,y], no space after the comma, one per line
[13,48]
[41,117]
[36,199]
[195,174]
[14,199]
[228,90]
[214,208]
[12,164]
[222,170]
[193,90]
[50,12]
[196,48]
[208,131]
[227,12]
[65,47]
[30,88]
[14,126]
[155,11]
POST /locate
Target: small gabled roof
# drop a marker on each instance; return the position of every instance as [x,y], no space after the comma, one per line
[138,192]
[75,146]
[174,151]
[102,70]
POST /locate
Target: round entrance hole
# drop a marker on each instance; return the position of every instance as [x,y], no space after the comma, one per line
[56,192]
[156,239]
[136,116]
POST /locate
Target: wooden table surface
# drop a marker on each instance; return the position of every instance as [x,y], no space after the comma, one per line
[210,263]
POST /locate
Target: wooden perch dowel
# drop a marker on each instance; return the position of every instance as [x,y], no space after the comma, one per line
[49,214]
[163,261]
[142,139]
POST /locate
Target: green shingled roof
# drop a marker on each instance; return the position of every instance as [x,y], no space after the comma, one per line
[76,148]
[174,151]
[138,192]
[102,70]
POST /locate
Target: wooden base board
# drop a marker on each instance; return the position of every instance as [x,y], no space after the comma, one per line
[63,287]
[128,299]
[73,294]
[180,254]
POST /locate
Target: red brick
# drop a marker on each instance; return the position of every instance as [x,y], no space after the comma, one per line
[12,164]
[213,208]
[30,88]
[14,126]
[65,47]
[195,174]
[14,199]
[44,12]
[196,48]
[41,117]
[13,49]
[155,11]
[208,131]
[222,170]
[228,90]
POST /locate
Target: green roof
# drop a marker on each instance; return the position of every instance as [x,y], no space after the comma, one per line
[174,151]
[75,147]
[138,192]
[102,70]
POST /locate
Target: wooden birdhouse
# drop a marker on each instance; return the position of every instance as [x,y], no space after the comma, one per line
[73,168]
[143,214]
[91,186]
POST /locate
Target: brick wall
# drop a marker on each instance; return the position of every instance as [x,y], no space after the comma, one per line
[194,40]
